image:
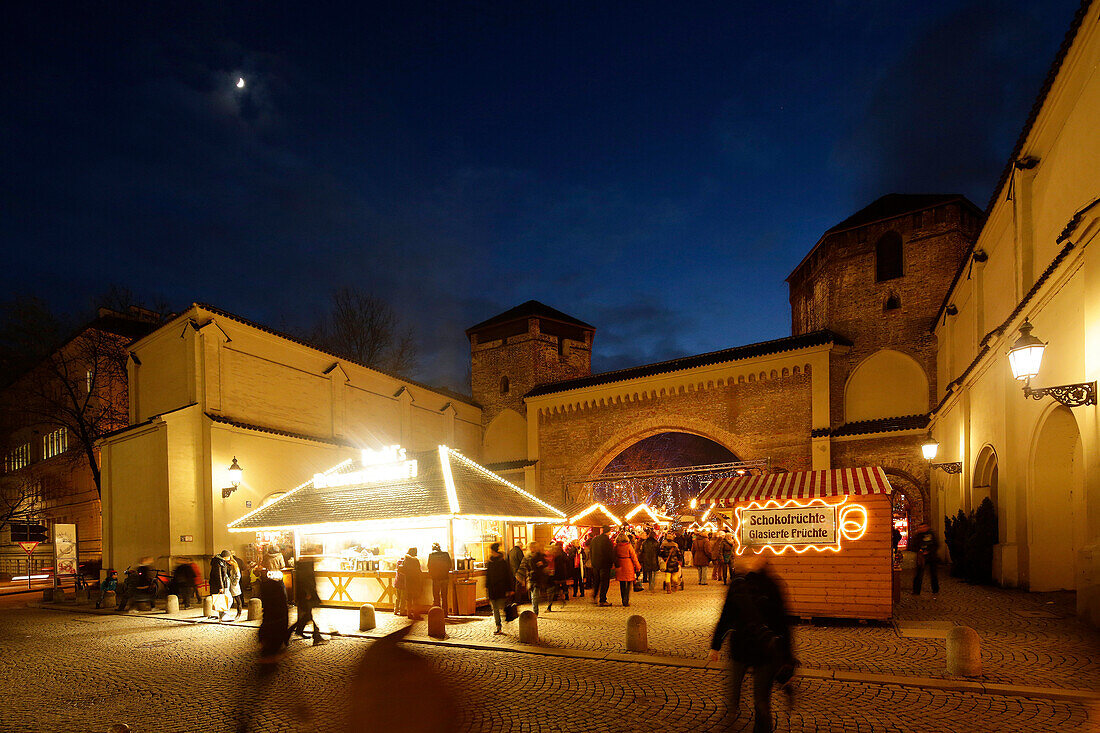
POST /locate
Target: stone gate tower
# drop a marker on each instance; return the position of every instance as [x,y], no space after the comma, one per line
[529,345]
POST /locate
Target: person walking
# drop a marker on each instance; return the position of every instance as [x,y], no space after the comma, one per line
[926,545]
[305,598]
[603,560]
[649,555]
[562,570]
[674,576]
[400,605]
[700,556]
[234,570]
[626,567]
[725,557]
[440,566]
[274,625]
[414,583]
[515,560]
[498,583]
[219,584]
[534,568]
[576,567]
[755,617]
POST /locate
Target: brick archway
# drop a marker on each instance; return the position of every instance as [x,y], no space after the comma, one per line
[915,491]
[598,459]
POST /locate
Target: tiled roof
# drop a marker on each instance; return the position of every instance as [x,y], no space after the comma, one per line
[509,465]
[882,425]
[790,343]
[223,420]
[480,493]
[530,309]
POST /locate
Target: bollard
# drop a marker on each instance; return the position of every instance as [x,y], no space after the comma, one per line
[110,598]
[47,595]
[207,607]
[436,622]
[172,604]
[366,617]
[964,652]
[119,728]
[255,609]
[528,627]
[636,636]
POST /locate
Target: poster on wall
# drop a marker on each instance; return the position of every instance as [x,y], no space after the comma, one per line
[64,548]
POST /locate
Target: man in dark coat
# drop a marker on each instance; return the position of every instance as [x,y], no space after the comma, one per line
[440,566]
[183,584]
[649,556]
[498,583]
[603,559]
[755,617]
[926,545]
[515,561]
[276,618]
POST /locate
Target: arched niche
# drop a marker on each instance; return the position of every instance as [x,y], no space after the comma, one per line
[1056,474]
[505,438]
[984,486]
[887,383]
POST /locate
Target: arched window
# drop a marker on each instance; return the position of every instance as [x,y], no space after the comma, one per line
[893,302]
[504,385]
[888,261]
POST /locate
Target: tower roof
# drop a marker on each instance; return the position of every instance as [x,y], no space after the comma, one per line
[530,309]
[897,204]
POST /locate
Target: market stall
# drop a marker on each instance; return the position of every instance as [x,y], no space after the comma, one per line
[582,518]
[828,533]
[358,519]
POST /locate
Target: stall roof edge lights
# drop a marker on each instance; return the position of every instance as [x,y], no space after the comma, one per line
[593,508]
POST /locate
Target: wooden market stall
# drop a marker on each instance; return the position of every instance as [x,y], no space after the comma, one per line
[827,533]
[358,519]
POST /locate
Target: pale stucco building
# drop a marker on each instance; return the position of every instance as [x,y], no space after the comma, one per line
[1037,259]
[209,387]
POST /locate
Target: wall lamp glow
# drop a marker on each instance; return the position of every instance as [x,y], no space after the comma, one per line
[235,472]
[1026,355]
[929,448]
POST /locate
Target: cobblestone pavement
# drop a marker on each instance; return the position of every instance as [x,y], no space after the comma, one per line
[83,672]
[1027,638]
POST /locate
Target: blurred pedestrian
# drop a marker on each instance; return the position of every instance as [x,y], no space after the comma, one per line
[110,583]
[755,617]
[626,567]
[576,559]
[275,623]
[649,555]
[184,584]
[561,570]
[219,584]
[534,568]
[498,583]
[925,544]
[515,560]
[400,601]
[440,566]
[674,576]
[306,599]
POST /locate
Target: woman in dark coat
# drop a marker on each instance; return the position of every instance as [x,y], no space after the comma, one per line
[498,583]
[414,583]
[276,619]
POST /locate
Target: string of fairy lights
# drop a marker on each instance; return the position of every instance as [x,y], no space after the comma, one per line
[668,490]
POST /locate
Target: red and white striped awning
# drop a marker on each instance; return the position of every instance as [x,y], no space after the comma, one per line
[797,485]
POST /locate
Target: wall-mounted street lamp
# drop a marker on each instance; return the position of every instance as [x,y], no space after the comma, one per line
[929,448]
[235,472]
[1026,355]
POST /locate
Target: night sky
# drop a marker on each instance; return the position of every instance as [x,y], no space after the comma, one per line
[655,169]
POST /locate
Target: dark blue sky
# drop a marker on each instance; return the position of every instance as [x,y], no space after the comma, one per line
[655,169]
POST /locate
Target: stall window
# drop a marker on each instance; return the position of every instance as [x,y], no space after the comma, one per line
[519,534]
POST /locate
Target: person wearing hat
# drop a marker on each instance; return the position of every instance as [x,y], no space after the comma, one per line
[440,566]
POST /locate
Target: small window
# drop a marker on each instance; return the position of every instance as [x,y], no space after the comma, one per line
[55,443]
[893,302]
[888,260]
[18,458]
[504,386]
[561,347]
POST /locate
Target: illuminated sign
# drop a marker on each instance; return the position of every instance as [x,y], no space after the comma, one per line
[798,526]
[387,464]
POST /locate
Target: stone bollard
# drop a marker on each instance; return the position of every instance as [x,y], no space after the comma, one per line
[437,622]
[47,595]
[964,652]
[255,610]
[207,607]
[637,639]
[110,599]
[528,627]
[366,617]
[119,728]
[172,604]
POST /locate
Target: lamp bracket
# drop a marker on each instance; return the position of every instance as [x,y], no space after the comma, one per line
[949,467]
[228,491]
[1070,395]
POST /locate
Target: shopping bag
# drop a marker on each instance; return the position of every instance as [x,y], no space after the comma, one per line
[511,612]
[221,602]
[638,587]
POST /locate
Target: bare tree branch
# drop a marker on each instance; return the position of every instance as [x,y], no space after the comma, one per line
[365,328]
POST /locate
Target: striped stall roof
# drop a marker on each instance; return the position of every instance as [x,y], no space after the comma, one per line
[796,485]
